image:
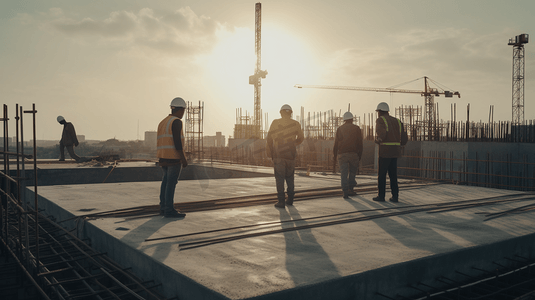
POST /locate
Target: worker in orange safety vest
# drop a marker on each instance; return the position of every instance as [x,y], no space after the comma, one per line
[171,156]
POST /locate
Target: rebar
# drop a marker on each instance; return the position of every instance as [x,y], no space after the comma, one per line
[56,263]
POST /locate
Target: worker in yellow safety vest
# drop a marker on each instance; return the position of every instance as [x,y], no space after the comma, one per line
[391,136]
[171,156]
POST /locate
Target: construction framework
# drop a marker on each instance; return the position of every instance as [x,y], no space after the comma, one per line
[194,130]
[41,259]
[430,117]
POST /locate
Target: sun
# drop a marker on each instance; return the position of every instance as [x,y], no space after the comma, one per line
[230,63]
[288,61]
[285,57]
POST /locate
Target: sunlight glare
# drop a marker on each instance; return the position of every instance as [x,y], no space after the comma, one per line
[230,64]
[288,62]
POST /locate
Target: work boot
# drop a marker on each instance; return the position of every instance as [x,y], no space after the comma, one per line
[346,194]
[280,204]
[394,199]
[379,199]
[174,214]
[290,201]
[352,192]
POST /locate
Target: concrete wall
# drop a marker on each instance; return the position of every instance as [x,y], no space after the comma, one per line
[62,176]
[500,165]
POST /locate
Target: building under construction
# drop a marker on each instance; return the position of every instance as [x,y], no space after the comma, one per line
[462,228]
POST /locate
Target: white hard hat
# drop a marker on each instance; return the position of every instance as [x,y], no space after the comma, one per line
[383,106]
[178,102]
[60,118]
[348,116]
[286,107]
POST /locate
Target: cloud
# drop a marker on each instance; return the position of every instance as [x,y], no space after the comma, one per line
[119,24]
[176,34]
[452,52]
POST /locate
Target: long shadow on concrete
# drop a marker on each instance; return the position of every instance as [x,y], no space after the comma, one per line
[145,231]
[421,230]
[303,252]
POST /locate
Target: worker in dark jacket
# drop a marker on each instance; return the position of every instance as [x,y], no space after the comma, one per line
[348,150]
[390,135]
[284,135]
[68,140]
[171,156]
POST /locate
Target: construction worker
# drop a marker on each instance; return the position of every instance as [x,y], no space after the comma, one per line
[171,156]
[283,137]
[390,135]
[68,140]
[348,150]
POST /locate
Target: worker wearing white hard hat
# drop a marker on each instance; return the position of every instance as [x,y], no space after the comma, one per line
[348,152]
[383,106]
[171,156]
[68,140]
[391,136]
[284,135]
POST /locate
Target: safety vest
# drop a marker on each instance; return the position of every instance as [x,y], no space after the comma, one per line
[165,143]
[392,143]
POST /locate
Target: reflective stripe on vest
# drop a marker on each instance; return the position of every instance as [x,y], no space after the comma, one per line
[392,143]
[165,143]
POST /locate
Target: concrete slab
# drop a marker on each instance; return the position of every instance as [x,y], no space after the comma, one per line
[346,261]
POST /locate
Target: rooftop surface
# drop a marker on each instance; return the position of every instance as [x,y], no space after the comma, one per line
[355,249]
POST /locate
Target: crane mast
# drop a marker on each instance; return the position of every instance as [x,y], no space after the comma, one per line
[430,115]
[518,77]
[255,79]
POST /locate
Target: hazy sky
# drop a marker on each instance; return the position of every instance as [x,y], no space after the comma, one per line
[113,67]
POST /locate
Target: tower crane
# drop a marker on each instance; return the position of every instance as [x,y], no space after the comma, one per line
[518,77]
[429,93]
[255,79]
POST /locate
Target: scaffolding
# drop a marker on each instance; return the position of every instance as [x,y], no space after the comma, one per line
[194,130]
[412,118]
[246,127]
[41,259]
[322,125]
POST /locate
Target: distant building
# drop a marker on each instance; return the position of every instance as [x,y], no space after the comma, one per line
[214,141]
[245,131]
[45,143]
[150,139]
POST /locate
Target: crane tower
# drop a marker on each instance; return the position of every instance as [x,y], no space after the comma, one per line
[518,77]
[255,79]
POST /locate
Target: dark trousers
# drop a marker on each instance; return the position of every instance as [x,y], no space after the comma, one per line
[168,187]
[390,166]
[284,171]
[70,148]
